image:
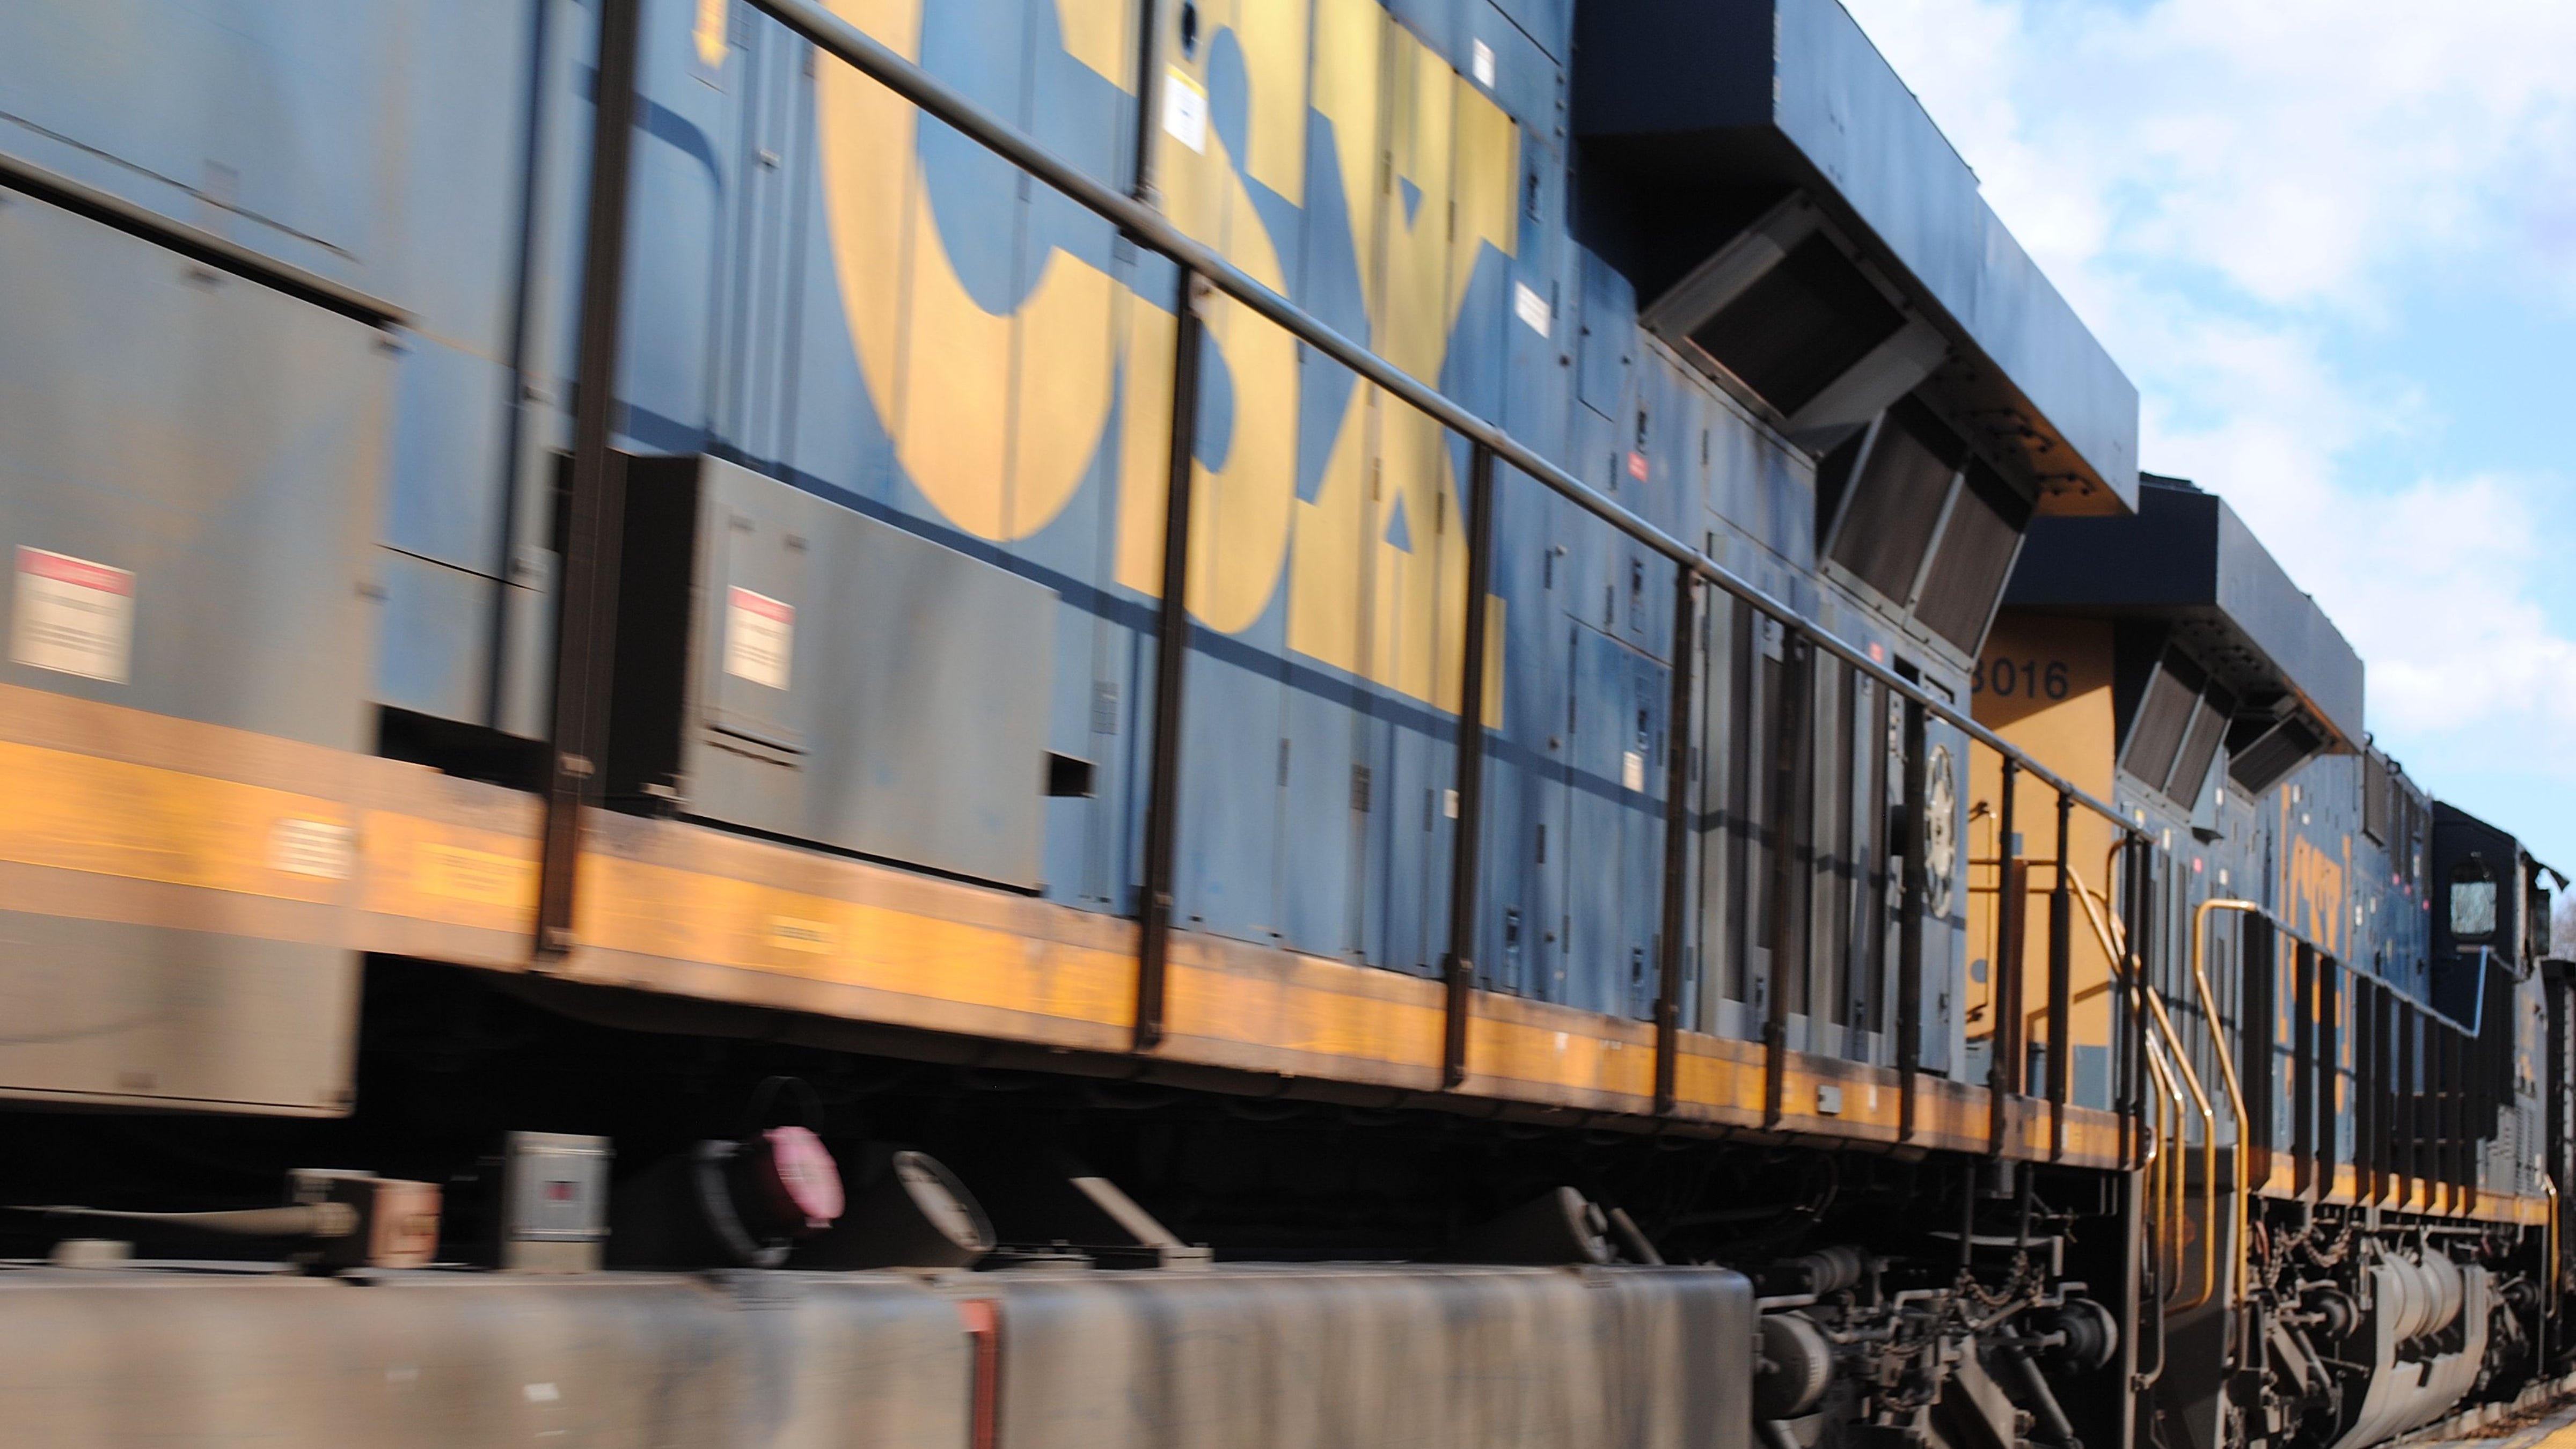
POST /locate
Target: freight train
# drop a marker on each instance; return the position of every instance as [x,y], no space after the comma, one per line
[1269,722]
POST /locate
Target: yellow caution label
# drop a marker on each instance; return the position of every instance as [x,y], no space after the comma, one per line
[478,876]
[793,933]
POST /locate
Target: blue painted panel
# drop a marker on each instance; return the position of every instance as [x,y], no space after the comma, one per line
[1538,363]
[1619,718]
[1608,338]
[1548,23]
[1319,845]
[1416,832]
[264,120]
[1227,877]
[1595,968]
[456,90]
[447,501]
[1527,80]
[1762,490]
[434,655]
[1520,767]
[683,177]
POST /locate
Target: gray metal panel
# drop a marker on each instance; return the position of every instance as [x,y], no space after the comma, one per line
[434,648]
[2285,622]
[1242,1358]
[430,1360]
[375,145]
[99,1011]
[223,443]
[1424,1358]
[913,725]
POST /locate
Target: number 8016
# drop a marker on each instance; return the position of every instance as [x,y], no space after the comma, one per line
[2007,678]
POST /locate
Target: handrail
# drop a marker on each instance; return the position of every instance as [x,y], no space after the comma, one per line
[2227,1074]
[2165,1187]
[863,52]
[2139,988]
[2549,1284]
[2208,1149]
[2166,1166]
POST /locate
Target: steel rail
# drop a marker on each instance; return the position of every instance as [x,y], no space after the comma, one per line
[871,57]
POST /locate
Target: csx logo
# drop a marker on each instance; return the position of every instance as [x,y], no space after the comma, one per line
[1016,359]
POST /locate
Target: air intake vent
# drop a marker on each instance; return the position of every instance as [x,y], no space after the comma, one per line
[2268,755]
[2200,744]
[2377,782]
[1976,556]
[1803,324]
[2164,717]
[1904,480]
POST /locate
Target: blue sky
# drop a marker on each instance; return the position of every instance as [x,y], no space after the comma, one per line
[2334,244]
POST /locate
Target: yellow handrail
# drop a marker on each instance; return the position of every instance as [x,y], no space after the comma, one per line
[2164,1190]
[2227,1071]
[2549,1303]
[2139,990]
[2208,1153]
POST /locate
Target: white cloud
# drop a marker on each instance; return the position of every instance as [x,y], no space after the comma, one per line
[2296,148]
[2232,194]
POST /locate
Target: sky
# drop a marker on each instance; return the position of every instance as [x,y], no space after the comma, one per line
[2333,242]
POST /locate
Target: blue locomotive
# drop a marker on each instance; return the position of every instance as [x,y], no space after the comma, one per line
[1431,632]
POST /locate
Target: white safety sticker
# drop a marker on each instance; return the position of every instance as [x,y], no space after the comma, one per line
[1185,109]
[1531,308]
[1632,770]
[1484,65]
[760,637]
[322,849]
[73,616]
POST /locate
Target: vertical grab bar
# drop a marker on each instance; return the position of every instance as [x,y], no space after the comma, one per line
[2145,992]
[595,512]
[1467,842]
[2004,996]
[1171,660]
[2061,1010]
[2226,1076]
[1681,731]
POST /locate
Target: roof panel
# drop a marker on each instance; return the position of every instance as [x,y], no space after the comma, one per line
[1699,93]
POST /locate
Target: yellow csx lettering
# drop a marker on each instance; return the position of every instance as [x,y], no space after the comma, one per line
[998,419]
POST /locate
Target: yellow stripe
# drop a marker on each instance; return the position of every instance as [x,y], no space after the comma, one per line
[109,817]
[651,910]
[664,904]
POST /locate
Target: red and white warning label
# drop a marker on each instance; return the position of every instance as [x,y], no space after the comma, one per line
[760,637]
[72,616]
